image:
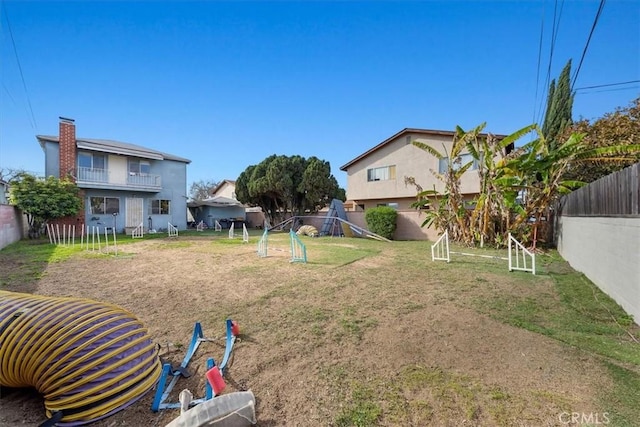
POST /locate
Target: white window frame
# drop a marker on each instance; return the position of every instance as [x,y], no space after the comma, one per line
[383,173]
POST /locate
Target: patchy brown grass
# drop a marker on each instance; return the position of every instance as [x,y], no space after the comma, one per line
[366,333]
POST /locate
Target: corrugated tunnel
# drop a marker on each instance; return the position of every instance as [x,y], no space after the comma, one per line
[87,359]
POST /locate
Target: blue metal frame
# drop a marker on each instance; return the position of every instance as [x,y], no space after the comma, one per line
[163,390]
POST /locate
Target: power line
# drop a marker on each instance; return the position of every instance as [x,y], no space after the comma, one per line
[608,84]
[15,51]
[535,100]
[555,29]
[586,46]
[610,90]
[553,42]
[8,93]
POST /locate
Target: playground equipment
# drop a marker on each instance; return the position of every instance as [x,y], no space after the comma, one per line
[93,234]
[245,234]
[307,230]
[335,224]
[332,226]
[217,226]
[263,244]
[172,230]
[519,257]
[66,238]
[232,231]
[92,238]
[298,249]
[200,226]
[163,390]
[138,232]
[87,359]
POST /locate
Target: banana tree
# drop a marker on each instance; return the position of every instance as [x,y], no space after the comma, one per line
[450,213]
[537,170]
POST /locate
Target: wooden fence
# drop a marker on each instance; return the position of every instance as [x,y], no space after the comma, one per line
[617,194]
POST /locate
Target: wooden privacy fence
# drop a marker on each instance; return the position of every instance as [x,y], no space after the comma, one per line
[613,195]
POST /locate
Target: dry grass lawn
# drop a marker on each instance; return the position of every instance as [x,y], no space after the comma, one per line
[366,333]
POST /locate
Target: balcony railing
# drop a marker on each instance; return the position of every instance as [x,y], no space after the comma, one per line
[143,180]
[93,175]
[104,178]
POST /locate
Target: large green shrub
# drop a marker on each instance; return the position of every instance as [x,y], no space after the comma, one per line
[382,220]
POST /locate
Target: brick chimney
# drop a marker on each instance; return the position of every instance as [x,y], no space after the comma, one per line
[67,142]
[67,149]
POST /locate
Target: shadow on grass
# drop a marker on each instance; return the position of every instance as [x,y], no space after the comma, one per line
[23,263]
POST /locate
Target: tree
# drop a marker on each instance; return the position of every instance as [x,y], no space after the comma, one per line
[202,189]
[621,127]
[450,213]
[558,115]
[43,200]
[537,171]
[319,186]
[7,174]
[288,184]
[514,187]
[490,217]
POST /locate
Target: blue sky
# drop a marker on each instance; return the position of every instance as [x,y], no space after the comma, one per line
[226,84]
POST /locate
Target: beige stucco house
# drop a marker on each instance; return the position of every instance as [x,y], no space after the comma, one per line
[377,177]
[225,188]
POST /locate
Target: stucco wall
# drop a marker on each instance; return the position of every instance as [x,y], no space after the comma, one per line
[409,160]
[226,190]
[607,251]
[11,225]
[407,225]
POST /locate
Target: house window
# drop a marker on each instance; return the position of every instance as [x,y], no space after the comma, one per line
[104,205]
[92,161]
[160,207]
[139,167]
[391,205]
[381,174]
[460,161]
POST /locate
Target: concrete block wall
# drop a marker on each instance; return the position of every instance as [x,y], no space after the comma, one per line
[12,225]
[607,251]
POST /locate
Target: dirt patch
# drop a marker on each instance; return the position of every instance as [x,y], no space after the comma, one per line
[310,333]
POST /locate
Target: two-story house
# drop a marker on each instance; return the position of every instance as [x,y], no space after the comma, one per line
[377,176]
[123,185]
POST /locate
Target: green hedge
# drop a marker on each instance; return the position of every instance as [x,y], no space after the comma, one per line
[382,220]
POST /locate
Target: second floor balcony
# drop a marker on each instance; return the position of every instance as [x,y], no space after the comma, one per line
[117,180]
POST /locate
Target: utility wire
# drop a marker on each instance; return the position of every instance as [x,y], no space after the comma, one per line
[8,93]
[15,51]
[586,46]
[535,100]
[608,84]
[609,90]
[557,15]
[553,38]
